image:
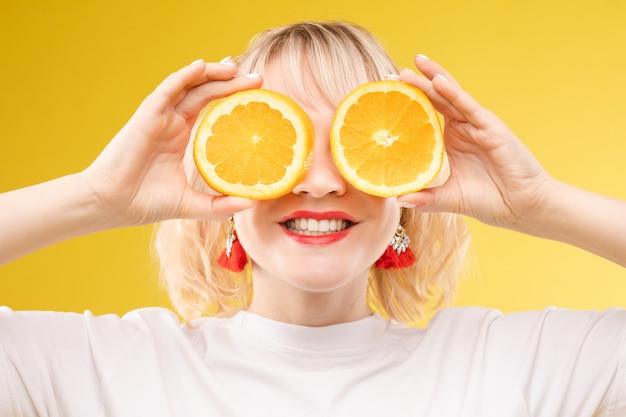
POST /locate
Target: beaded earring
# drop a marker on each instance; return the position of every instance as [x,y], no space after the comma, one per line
[233,257]
[398,253]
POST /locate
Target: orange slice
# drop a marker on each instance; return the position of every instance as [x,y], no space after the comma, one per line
[386,139]
[254,143]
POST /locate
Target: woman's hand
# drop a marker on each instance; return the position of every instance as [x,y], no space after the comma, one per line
[138,179]
[494,177]
[139,176]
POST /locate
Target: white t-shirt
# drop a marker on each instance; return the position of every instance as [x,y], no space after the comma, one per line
[467,362]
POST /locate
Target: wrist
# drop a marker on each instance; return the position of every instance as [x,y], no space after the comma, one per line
[43,214]
[547,216]
[578,217]
[89,208]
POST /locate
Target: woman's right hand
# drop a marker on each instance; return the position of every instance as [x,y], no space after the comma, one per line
[139,177]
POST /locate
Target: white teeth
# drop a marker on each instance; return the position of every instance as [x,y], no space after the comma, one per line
[312,226]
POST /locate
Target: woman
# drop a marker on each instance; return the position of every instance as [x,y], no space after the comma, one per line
[306,341]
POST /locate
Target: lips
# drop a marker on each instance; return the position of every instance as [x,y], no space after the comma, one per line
[313,227]
[317,228]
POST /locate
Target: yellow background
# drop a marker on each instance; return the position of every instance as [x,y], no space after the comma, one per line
[72,73]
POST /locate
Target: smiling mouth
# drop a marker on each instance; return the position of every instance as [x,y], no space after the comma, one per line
[313,227]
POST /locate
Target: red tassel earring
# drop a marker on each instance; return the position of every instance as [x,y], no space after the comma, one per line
[398,253]
[233,257]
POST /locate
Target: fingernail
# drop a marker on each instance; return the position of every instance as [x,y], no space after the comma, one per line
[227,61]
[253,75]
[392,77]
[441,76]
[423,57]
[409,70]
[197,61]
[407,205]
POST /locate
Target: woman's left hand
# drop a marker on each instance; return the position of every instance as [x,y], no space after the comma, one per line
[494,177]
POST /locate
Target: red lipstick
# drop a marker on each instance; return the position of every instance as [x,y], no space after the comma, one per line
[316,237]
[319,215]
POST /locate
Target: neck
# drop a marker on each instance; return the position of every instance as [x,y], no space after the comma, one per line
[278,300]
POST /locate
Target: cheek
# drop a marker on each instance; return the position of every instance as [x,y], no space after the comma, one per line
[248,230]
[388,224]
[257,234]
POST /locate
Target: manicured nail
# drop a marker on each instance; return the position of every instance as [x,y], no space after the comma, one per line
[253,75]
[392,77]
[197,61]
[423,57]
[441,76]
[407,205]
[227,61]
[409,70]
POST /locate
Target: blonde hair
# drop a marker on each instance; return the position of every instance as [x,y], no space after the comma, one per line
[340,56]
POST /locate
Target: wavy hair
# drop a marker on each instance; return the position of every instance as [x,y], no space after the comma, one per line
[340,56]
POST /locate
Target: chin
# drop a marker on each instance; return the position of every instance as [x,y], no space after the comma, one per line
[327,278]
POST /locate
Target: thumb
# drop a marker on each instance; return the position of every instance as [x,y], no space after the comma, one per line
[434,199]
[211,207]
[419,200]
[430,198]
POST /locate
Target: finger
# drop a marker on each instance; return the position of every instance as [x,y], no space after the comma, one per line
[198,97]
[175,86]
[430,68]
[393,77]
[192,75]
[462,101]
[442,104]
[427,200]
[418,200]
[210,207]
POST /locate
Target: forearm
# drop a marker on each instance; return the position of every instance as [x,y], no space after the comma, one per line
[40,215]
[590,221]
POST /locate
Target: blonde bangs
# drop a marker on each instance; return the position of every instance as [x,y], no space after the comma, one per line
[337,56]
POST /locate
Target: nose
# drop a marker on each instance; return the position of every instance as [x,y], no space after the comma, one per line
[323,178]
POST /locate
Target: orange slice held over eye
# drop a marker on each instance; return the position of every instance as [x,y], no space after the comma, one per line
[255,144]
[387,140]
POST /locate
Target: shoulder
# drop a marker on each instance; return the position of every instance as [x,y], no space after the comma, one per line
[549,321]
[521,337]
[463,323]
[85,330]
[576,359]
